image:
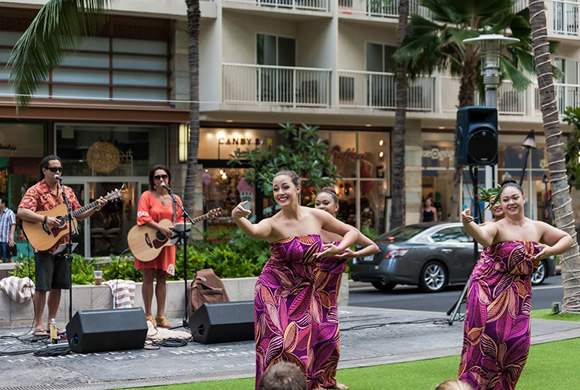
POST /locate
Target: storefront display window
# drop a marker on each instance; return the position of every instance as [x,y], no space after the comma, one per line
[362,159]
[110,150]
[224,188]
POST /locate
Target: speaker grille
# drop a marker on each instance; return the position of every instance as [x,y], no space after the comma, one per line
[482,147]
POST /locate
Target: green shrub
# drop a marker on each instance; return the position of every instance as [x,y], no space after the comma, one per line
[230,257]
[121,267]
[239,256]
[24,267]
[82,270]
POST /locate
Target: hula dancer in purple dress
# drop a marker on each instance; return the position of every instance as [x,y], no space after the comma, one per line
[326,350]
[496,339]
[286,301]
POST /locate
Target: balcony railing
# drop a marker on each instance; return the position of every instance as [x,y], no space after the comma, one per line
[284,86]
[388,9]
[565,17]
[567,95]
[304,5]
[276,85]
[562,16]
[509,101]
[359,89]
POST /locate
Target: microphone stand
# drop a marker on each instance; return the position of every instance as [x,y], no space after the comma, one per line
[183,235]
[68,245]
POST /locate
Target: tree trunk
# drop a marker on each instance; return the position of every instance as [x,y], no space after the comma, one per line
[466,98]
[193,18]
[398,179]
[562,203]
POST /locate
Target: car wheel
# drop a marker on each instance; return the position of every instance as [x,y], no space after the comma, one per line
[539,276]
[433,277]
[384,286]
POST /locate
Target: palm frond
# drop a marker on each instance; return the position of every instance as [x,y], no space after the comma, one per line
[519,80]
[57,27]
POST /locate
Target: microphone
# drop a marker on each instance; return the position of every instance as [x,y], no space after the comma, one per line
[166,187]
[57,177]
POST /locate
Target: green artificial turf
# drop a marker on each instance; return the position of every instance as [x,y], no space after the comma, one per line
[547,315]
[548,367]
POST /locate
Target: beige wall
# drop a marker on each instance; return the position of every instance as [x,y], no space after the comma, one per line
[352,38]
[239,35]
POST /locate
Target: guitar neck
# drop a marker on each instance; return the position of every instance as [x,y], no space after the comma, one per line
[200,218]
[85,208]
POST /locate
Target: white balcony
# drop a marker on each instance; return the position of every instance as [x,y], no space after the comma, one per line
[357,89]
[567,95]
[300,5]
[298,87]
[564,17]
[385,9]
[276,85]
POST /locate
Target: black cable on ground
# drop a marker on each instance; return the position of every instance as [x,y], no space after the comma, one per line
[173,342]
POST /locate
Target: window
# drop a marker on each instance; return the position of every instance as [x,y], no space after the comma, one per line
[126,61]
[276,85]
[451,234]
[380,57]
[94,150]
[274,50]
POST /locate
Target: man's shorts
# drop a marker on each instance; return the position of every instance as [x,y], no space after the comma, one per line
[51,271]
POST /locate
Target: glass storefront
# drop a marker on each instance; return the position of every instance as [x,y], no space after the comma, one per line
[438,171]
[109,159]
[110,150]
[361,158]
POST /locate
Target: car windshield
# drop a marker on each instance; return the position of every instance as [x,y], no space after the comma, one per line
[402,233]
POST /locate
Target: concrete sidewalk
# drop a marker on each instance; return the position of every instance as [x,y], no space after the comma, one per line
[368,337]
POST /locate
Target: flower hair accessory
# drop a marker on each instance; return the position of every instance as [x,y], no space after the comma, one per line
[490,195]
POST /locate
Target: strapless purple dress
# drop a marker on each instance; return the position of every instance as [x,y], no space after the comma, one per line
[496,338]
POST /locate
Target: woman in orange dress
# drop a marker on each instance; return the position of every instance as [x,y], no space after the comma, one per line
[156,205]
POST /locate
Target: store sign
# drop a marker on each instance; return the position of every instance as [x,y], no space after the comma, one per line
[438,154]
[8,147]
[244,141]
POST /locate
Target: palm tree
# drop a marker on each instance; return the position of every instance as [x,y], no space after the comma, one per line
[437,43]
[60,25]
[402,85]
[562,204]
[193,18]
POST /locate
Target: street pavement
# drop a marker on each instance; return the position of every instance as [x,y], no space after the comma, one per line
[368,337]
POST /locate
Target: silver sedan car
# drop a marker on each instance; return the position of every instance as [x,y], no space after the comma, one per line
[430,255]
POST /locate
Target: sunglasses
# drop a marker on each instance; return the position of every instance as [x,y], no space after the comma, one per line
[54,169]
[159,177]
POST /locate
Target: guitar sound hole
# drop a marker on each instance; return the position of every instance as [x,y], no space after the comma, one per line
[160,237]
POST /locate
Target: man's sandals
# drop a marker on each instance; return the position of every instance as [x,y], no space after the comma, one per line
[39,332]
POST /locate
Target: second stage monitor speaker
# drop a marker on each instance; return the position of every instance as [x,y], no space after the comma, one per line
[223,322]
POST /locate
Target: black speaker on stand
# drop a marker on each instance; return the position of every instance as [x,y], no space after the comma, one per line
[223,322]
[107,330]
[477,136]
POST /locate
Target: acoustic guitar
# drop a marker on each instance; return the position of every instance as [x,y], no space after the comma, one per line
[146,242]
[42,238]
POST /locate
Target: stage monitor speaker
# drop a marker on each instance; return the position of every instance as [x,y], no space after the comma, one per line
[223,322]
[107,330]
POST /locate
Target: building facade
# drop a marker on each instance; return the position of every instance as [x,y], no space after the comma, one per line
[119,103]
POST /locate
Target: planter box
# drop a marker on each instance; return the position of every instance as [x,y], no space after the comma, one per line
[89,297]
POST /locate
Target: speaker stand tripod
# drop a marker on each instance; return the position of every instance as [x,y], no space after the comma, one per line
[477,215]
